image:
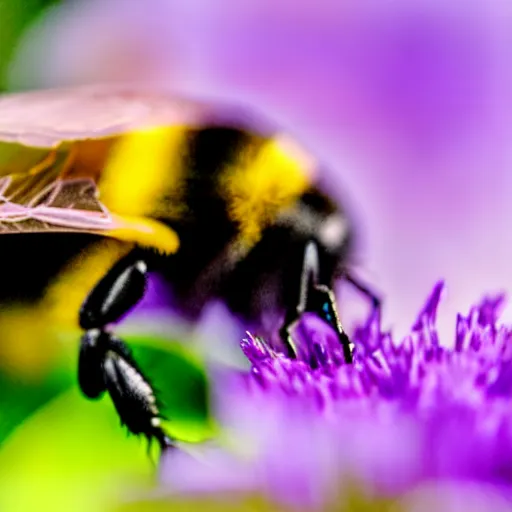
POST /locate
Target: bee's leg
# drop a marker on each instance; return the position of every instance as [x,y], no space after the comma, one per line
[365,290]
[316,298]
[122,288]
[105,363]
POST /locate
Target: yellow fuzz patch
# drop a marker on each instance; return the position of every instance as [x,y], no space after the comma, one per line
[142,165]
[145,232]
[262,184]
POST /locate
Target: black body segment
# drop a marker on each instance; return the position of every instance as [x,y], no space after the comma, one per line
[90,360]
[31,261]
[206,231]
[121,289]
[133,396]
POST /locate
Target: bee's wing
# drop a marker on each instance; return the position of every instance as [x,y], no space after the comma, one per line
[36,196]
[44,119]
[60,193]
[42,132]
[65,205]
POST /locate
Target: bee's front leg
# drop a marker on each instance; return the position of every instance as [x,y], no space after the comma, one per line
[105,362]
[314,297]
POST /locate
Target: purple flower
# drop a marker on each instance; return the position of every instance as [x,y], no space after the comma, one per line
[404,417]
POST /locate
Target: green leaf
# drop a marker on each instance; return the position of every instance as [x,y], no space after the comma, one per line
[180,381]
[70,453]
[19,399]
[15,16]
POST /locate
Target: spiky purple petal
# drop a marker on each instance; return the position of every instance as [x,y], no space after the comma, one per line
[403,414]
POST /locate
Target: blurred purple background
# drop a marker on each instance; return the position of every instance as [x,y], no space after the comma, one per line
[407,103]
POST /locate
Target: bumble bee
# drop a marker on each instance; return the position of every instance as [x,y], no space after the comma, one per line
[219,204]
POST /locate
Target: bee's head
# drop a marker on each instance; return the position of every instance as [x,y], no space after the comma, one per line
[317,217]
[332,229]
[273,268]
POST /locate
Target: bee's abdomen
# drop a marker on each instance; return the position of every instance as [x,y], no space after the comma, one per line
[30,262]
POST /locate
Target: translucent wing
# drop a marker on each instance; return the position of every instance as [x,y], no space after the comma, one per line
[53,150]
[44,119]
[64,205]
[36,195]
